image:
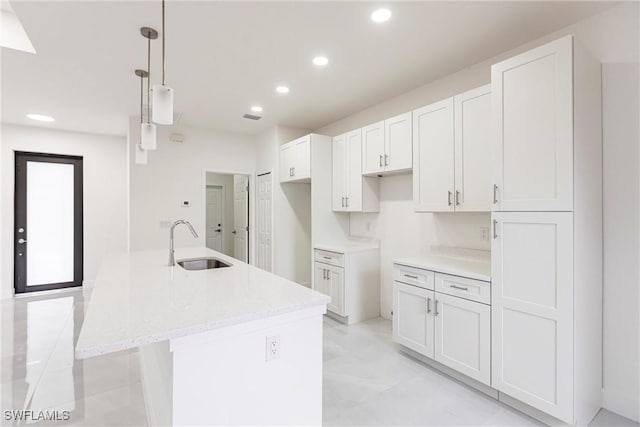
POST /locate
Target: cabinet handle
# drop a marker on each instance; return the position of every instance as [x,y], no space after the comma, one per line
[437,308]
[343,202]
[457,198]
[380,160]
[495,229]
[386,160]
[293,170]
[428,305]
[449,198]
[411,276]
[495,194]
[458,287]
[324,273]
[326,257]
[346,202]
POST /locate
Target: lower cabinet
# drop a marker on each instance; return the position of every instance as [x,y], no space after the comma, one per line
[330,281]
[452,330]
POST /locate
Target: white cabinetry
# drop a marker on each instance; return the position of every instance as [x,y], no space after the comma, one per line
[295,160]
[445,318]
[387,146]
[547,232]
[351,192]
[351,278]
[451,143]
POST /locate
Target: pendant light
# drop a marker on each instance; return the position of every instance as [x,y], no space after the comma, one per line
[141,153]
[147,129]
[163,94]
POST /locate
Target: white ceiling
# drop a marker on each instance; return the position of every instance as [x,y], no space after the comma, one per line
[222,57]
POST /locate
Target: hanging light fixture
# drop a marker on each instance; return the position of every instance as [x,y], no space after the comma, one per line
[163,94]
[147,129]
[141,153]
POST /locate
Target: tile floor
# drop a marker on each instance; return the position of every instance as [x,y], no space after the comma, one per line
[367,381]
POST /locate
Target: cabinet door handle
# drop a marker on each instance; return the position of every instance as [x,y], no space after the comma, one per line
[495,229]
[343,202]
[411,276]
[380,160]
[428,305]
[457,198]
[324,274]
[437,308]
[449,198]
[293,170]
[495,194]
[458,287]
[346,202]
[386,160]
[326,257]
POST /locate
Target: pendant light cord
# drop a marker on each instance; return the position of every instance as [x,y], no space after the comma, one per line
[163,42]
[148,79]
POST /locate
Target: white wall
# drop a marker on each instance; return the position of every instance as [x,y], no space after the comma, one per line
[176,172]
[105,189]
[612,36]
[226,182]
[621,238]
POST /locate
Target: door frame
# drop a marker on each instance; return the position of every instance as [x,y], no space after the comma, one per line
[20,206]
[224,212]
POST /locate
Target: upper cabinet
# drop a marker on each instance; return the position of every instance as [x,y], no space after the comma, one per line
[533,118]
[351,192]
[295,160]
[451,154]
[387,146]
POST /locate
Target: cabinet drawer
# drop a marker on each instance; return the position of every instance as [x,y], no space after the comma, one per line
[413,276]
[474,290]
[333,258]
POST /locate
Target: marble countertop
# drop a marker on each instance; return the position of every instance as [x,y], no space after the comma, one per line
[137,299]
[347,246]
[466,267]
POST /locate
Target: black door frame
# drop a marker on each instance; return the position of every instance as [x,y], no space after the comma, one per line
[20,216]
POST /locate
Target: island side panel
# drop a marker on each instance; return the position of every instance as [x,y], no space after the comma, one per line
[223,377]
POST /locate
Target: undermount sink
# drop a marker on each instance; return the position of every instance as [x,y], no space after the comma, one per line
[202,263]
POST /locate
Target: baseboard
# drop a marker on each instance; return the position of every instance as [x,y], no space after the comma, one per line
[622,404]
[6,294]
[88,283]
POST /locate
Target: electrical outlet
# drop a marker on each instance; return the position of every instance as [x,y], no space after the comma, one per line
[484,234]
[273,348]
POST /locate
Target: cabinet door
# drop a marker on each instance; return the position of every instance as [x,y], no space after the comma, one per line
[373,148]
[463,336]
[433,157]
[338,170]
[532,309]
[353,181]
[397,143]
[413,319]
[320,278]
[302,158]
[335,287]
[533,117]
[472,150]
[286,162]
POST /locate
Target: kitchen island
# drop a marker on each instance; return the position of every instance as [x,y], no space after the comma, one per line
[233,345]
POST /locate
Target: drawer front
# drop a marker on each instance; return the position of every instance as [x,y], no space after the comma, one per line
[414,276]
[474,290]
[333,258]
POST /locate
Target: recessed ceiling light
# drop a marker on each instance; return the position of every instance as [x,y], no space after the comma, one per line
[256,109]
[40,117]
[282,89]
[320,61]
[381,15]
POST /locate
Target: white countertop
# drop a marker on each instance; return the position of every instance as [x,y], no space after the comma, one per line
[347,246]
[471,268]
[137,299]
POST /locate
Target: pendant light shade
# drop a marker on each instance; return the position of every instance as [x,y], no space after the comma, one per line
[162,104]
[163,94]
[148,136]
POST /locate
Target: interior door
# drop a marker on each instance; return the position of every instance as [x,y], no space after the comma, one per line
[433,157]
[533,116]
[463,336]
[413,317]
[215,217]
[353,179]
[373,148]
[397,142]
[472,150]
[532,309]
[48,235]
[264,221]
[338,190]
[241,217]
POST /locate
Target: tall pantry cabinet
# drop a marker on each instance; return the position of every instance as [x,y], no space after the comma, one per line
[547,231]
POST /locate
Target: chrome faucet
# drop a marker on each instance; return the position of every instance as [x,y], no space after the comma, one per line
[172,260]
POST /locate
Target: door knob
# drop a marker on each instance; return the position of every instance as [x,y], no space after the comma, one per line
[22,241]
